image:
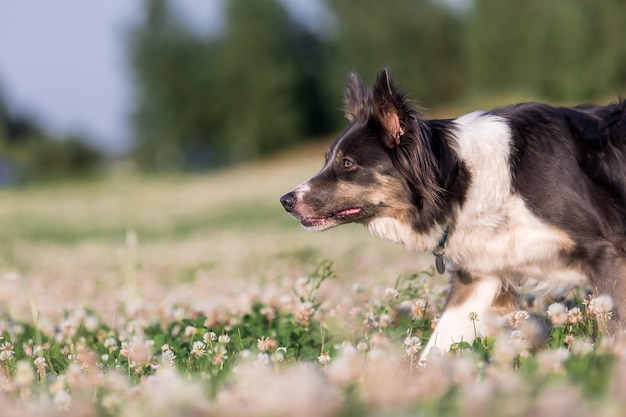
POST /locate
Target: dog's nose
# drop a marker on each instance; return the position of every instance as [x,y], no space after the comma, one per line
[288,201]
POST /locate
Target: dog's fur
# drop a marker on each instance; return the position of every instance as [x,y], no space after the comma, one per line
[532,196]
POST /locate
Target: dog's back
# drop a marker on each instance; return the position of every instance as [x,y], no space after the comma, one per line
[603,130]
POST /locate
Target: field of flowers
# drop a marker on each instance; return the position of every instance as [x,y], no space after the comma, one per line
[199,296]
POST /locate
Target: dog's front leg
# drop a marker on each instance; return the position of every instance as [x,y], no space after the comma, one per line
[469,311]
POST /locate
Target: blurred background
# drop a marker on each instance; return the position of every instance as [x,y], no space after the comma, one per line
[193,85]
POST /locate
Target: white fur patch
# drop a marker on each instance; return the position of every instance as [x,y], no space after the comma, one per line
[302,189]
[455,324]
[401,233]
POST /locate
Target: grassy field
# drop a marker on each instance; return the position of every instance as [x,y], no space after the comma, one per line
[198,295]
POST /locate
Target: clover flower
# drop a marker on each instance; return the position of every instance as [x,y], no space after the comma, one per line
[266,344]
[391,293]
[111,344]
[418,308]
[168,357]
[558,314]
[209,337]
[324,358]
[602,307]
[6,351]
[362,347]
[198,349]
[305,312]
[413,345]
[220,355]
[41,365]
[517,318]
[574,316]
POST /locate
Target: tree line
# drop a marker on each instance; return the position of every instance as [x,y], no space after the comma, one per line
[29,153]
[266,81]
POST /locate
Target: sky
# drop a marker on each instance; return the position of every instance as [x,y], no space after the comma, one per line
[63,62]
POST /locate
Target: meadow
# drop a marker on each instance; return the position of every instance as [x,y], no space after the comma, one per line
[198,296]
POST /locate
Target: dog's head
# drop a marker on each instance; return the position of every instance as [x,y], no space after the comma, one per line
[377,168]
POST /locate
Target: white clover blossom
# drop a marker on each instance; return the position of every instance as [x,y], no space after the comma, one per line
[558,314]
[305,312]
[266,344]
[599,307]
[574,316]
[6,351]
[110,344]
[209,337]
[418,309]
[324,358]
[220,355]
[603,307]
[125,349]
[40,365]
[413,345]
[391,293]
[168,357]
[518,318]
[198,348]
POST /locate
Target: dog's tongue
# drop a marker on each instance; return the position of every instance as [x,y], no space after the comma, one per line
[348,212]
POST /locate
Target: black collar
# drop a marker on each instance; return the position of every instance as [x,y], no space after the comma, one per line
[440,250]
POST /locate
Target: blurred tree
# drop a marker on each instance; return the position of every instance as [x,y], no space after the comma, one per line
[418,39]
[558,50]
[28,153]
[209,101]
[269,78]
[170,87]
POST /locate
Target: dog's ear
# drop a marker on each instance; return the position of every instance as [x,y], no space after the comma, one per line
[388,108]
[356,99]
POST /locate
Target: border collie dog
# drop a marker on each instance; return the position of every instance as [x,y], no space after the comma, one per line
[520,197]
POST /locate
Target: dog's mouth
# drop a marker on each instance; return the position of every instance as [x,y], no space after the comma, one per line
[342,216]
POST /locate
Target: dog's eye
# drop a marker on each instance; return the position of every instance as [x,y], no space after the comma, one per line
[347,163]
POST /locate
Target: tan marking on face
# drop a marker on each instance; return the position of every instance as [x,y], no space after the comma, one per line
[386,193]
